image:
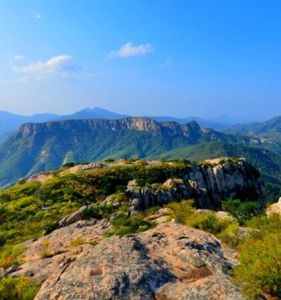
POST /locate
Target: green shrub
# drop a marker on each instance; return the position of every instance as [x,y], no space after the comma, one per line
[241,210]
[126,225]
[22,181]
[109,160]
[260,270]
[230,235]
[17,289]
[208,222]
[265,225]
[77,242]
[225,228]
[98,212]
[10,255]
[181,211]
[68,165]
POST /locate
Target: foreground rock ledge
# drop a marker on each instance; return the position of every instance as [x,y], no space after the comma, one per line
[170,261]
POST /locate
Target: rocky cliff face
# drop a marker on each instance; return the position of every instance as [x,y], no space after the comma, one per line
[208,183]
[222,179]
[191,130]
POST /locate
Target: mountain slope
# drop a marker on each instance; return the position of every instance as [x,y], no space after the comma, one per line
[45,146]
[267,128]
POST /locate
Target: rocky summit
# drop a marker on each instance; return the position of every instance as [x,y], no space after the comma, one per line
[170,261]
[128,229]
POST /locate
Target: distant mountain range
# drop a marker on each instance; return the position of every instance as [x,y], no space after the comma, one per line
[47,141]
[10,122]
[270,127]
[36,147]
[43,146]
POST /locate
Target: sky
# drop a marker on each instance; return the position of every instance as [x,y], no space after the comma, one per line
[142,57]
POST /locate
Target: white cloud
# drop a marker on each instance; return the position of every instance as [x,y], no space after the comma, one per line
[129,50]
[36,15]
[62,65]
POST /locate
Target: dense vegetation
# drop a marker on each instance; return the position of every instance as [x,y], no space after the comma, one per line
[17,289]
[260,255]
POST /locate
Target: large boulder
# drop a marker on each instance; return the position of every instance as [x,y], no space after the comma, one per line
[170,261]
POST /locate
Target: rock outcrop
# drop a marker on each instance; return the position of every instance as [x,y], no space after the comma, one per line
[170,261]
[223,179]
[274,208]
[208,184]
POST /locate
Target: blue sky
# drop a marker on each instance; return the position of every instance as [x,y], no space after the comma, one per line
[145,57]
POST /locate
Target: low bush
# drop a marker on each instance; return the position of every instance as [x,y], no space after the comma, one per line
[208,222]
[184,213]
[126,225]
[225,229]
[98,212]
[10,255]
[17,289]
[181,211]
[259,272]
[77,242]
[242,210]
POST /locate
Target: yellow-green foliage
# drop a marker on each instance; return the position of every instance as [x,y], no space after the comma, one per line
[77,242]
[184,213]
[44,252]
[123,224]
[260,256]
[230,235]
[17,289]
[181,211]
[10,255]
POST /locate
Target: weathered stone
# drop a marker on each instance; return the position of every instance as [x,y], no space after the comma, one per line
[60,240]
[74,217]
[274,208]
[207,184]
[168,262]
